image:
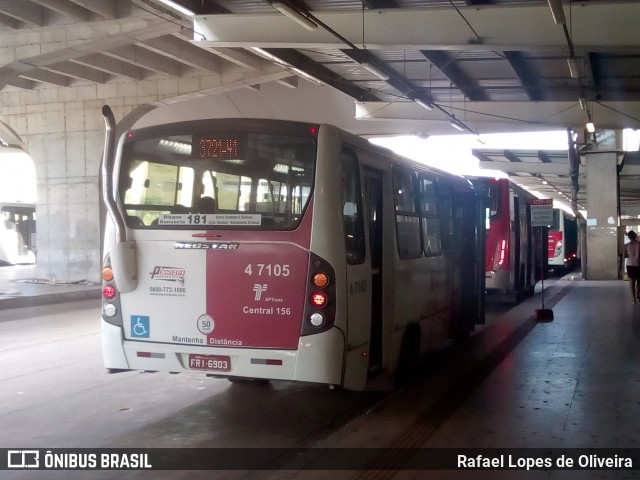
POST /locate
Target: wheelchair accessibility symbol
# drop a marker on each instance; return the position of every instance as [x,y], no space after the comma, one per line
[139,326]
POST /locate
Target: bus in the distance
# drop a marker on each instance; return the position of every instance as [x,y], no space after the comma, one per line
[17,233]
[265,249]
[515,251]
[18,193]
[563,242]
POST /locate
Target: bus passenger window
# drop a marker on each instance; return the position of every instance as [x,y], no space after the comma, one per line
[430,221]
[407,218]
[351,210]
[264,178]
[155,187]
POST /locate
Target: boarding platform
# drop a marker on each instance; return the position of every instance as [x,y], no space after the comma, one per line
[567,385]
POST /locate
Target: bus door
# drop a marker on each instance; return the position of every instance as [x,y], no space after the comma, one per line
[373,199]
[515,254]
[358,272]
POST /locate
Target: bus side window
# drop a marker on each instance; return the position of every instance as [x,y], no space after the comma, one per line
[352,219]
[430,219]
[407,216]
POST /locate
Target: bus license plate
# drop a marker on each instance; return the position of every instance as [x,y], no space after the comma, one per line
[219,363]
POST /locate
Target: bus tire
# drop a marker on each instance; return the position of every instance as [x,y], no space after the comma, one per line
[519,290]
[246,380]
[462,335]
[409,354]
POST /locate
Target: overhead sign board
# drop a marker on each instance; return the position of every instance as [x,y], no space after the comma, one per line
[541,212]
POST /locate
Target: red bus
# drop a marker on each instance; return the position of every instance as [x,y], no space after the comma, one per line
[265,249]
[514,249]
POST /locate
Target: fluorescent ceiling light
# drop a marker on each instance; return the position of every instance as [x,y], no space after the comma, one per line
[573,67]
[455,124]
[306,76]
[286,65]
[271,57]
[424,104]
[590,127]
[583,104]
[557,11]
[177,7]
[375,70]
[295,15]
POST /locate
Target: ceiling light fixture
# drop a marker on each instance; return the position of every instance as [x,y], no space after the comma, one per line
[591,128]
[573,67]
[375,70]
[423,104]
[557,12]
[284,64]
[269,56]
[177,7]
[583,104]
[295,15]
[457,125]
[306,76]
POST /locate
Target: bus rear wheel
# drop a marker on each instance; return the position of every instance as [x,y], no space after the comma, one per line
[253,381]
[409,354]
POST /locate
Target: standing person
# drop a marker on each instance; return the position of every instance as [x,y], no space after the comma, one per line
[632,254]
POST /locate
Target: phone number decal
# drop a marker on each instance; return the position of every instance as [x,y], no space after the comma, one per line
[168,291]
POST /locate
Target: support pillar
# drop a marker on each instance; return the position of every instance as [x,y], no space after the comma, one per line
[603,216]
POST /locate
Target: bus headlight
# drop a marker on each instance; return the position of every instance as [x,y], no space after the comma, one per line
[316,319]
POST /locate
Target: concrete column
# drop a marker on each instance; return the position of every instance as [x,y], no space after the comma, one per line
[602,220]
[68,220]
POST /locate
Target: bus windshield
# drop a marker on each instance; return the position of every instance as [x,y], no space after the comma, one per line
[224,179]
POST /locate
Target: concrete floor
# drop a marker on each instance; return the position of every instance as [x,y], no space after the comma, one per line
[572,383]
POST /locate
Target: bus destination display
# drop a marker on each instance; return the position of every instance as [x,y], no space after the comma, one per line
[224,147]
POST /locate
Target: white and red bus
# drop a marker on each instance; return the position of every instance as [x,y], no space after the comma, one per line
[514,253]
[563,241]
[264,249]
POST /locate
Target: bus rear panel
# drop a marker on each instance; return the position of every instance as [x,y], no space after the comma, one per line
[222,225]
[515,251]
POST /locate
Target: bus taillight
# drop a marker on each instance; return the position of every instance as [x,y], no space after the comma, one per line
[500,255]
[320,308]
[318,299]
[317,319]
[503,252]
[320,280]
[107,274]
[109,292]
[110,301]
